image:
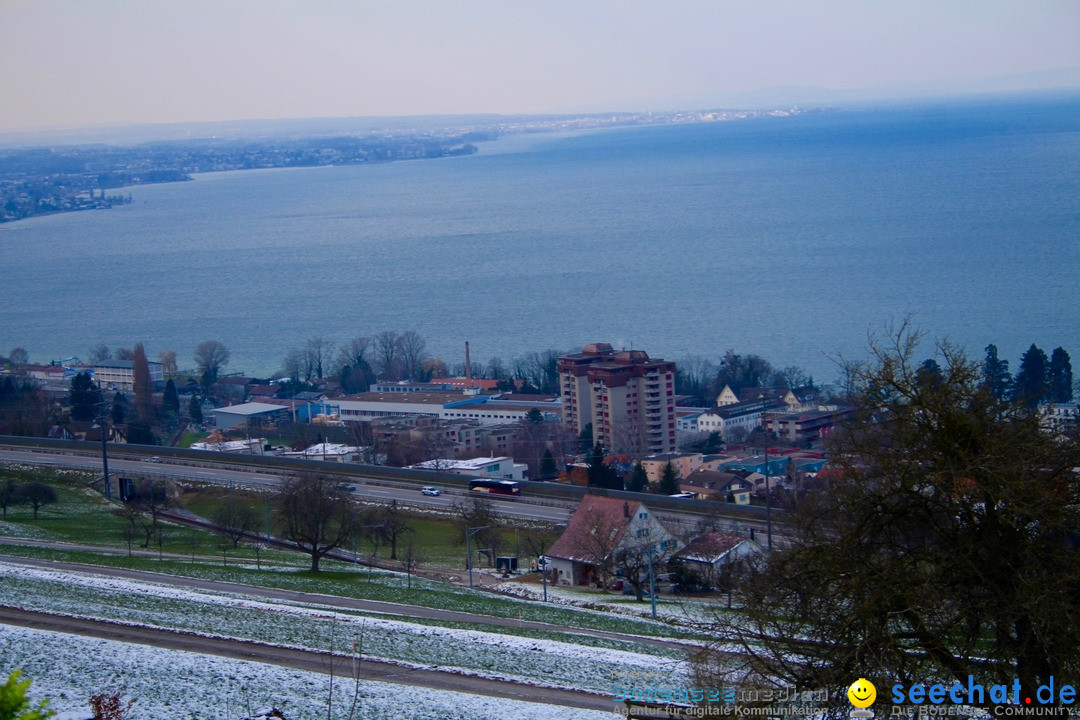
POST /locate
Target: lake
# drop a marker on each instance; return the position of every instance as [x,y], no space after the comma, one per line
[790,237]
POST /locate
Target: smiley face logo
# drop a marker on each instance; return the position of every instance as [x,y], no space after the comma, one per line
[862,693]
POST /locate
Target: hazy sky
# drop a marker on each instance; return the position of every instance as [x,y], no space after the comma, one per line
[71,63]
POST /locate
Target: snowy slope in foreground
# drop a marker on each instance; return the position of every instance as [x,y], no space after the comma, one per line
[176,685]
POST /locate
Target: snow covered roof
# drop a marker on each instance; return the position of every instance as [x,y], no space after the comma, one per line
[710,547]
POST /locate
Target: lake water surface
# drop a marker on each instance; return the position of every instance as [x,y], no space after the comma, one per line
[791,237]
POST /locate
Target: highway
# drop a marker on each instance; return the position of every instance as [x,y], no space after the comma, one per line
[545,509]
[369,490]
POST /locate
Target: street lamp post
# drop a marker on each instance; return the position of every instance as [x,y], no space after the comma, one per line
[768,502]
[543,574]
[266,516]
[468,547]
[652,583]
[103,423]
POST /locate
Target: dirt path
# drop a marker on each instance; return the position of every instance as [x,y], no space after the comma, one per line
[402,610]
[300,659]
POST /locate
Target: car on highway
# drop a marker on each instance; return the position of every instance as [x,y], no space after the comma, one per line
[433,491]
[154,459]
[346,486]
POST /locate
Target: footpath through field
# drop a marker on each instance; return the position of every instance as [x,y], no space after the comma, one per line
[303,659]
[378,606]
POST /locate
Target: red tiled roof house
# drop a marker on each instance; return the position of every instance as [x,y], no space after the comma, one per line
[601,529]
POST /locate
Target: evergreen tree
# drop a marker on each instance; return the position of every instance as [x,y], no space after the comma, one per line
[357,377]
[548,468]
[996,377]
[170,401]
[7,389]
[639,479]
[84,397]
[597,468]
[119,403]
[585,438]
[928,374]
[1060,378]
[600,475]
[141,385]
[1031,379]
[669,480]
[139,433]
[195,409]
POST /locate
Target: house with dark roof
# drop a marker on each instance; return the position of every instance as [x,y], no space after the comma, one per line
[720,486]
[602,530]
[713,556]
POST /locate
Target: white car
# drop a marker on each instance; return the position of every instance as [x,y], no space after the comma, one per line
[433,491]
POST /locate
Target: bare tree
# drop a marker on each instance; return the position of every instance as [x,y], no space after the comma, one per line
[354,352]
[386,355]
[411,353]
[9,494]
[532,438]
[99,353]
[168,363]
[294,364]
[369,528]
[628,437]
[496,369]
[474,512]
[316,514]
[431,447]
[151,498]
[695,376]
[944,547]
[224,544]
[598,546]
[317,355]
[539,369]
[210,357]
[632,564]
[36,495]
[532,542]
[18,357]
[235,521]
[393,525]
[741,371]
[790,377]
[129,531]
[412,559]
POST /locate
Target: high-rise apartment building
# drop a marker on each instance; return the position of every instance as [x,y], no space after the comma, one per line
[628,397]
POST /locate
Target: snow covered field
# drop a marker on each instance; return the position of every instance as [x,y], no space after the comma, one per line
[680,612]
[491,654]
[174,685]
[21,531]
